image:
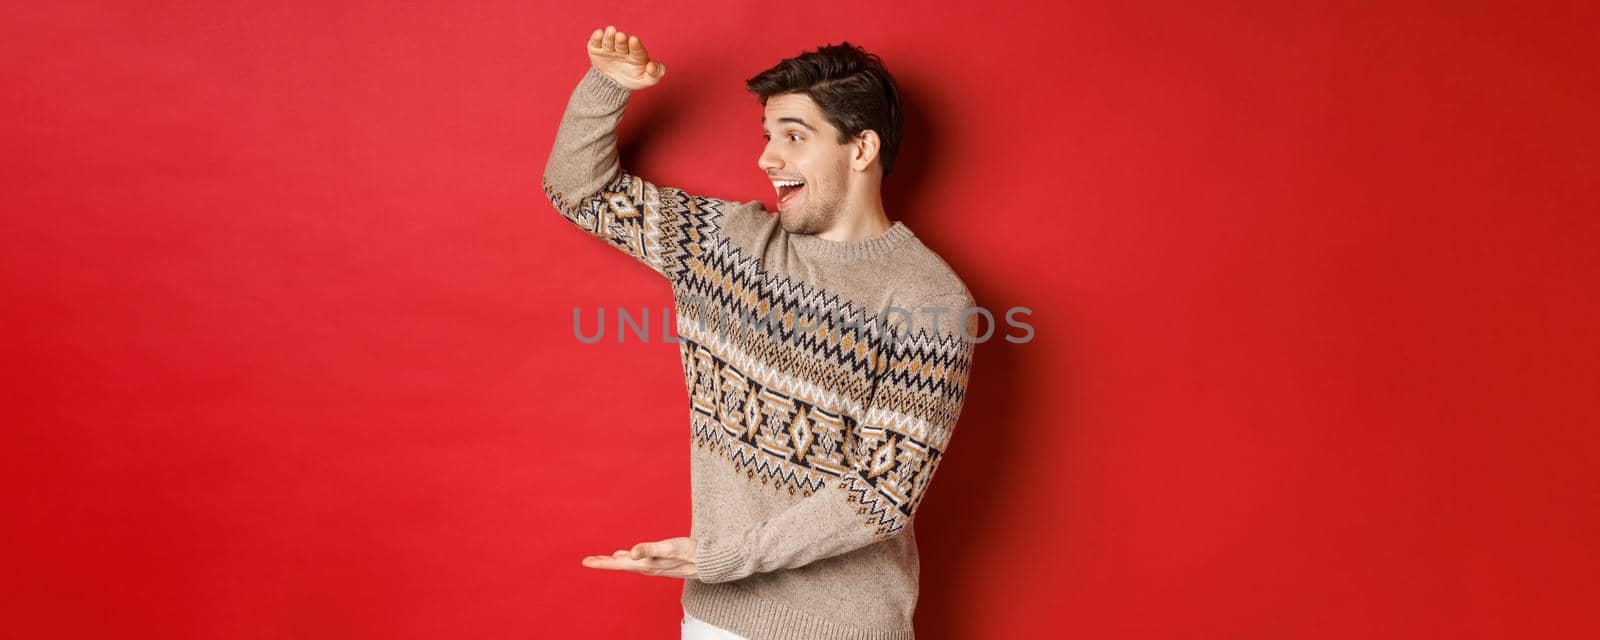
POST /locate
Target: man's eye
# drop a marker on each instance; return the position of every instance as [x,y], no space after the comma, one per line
[792,136]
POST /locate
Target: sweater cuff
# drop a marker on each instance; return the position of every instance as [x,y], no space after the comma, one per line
[604,88]
[715,561]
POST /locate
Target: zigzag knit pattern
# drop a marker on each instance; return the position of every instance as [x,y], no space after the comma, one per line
[782,383]
[662,228]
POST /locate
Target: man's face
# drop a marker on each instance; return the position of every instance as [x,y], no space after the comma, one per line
[803,146]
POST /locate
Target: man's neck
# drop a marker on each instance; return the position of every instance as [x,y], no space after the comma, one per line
[863,218]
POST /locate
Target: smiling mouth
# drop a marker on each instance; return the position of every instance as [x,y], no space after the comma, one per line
[788,190]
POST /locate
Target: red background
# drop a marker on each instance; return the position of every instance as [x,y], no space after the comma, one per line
[288,346]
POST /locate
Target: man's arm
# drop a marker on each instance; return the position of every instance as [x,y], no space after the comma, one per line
[584,179]
[891,456]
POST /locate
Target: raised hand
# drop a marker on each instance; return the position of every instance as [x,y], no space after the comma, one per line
[622,58]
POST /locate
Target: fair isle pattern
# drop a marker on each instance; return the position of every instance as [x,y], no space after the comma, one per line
[790,335]
[921,390]
[660,227]
[777,382]
[780,385]
[789,444]
[794,334]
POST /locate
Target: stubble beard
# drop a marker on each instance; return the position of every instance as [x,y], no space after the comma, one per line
[814,217]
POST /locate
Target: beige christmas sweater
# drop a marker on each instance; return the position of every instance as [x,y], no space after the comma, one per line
[824,382]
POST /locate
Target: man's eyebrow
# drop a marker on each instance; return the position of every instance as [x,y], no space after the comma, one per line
[789,119]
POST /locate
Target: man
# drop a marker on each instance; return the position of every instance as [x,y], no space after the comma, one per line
[815,429]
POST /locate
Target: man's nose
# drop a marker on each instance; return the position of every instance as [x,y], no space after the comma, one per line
[769,161]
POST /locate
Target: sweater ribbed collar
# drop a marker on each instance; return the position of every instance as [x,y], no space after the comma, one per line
[851,250]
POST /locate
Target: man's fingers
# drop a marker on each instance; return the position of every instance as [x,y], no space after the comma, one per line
[608,562]
[615,555]
[624,563]
[645,550]
[612,42]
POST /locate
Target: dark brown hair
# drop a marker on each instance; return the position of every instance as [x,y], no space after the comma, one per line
[852,87]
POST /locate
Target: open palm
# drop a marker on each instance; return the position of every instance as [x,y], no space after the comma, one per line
[622,58]
[672,558]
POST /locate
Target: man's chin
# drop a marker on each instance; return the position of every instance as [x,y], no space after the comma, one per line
[790,221]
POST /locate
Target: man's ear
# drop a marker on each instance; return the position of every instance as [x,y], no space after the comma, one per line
[867,145]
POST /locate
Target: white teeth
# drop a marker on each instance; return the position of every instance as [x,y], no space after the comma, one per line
[778,185]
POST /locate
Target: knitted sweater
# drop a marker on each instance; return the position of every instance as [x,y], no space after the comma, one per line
[816,419]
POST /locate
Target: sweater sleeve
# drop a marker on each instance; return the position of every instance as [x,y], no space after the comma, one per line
[585,181]
[891,455]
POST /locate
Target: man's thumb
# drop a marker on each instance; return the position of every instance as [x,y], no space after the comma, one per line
[658,69]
